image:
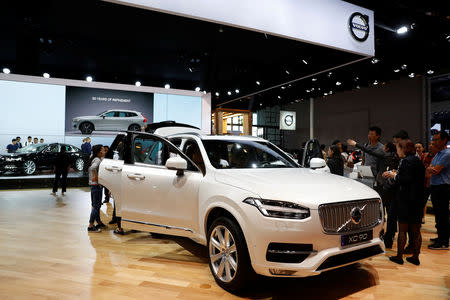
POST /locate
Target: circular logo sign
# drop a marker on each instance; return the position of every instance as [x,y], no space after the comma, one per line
[359,26]
[289,120]
[356,215]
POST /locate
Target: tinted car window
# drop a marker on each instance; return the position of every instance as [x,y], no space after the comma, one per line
[122,114]
[176,141]
[52,148]
[226,154]
[150,151]
[109,114]
[130,114]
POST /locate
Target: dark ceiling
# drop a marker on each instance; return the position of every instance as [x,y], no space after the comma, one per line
[120,44]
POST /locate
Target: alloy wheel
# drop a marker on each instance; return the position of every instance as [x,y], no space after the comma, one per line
[86,128]
[29,167]
[223,254]
[79,164]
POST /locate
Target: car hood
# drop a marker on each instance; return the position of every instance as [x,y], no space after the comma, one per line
[302,186]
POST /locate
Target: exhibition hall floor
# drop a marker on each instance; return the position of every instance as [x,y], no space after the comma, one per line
[46,253]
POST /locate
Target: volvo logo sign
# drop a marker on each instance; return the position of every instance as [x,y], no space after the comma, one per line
[356,215]
[359,26]
[289,120]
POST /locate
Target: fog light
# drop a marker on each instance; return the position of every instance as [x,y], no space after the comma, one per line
[281,272]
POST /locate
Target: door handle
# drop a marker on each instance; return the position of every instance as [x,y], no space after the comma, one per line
[113,169]
[136,176]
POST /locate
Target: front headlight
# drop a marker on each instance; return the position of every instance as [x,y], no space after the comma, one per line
[279,209]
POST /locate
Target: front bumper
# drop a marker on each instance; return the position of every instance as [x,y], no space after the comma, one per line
[327,252]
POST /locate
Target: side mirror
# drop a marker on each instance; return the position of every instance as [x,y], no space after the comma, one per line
[177,163]
[317,163]
[103,116]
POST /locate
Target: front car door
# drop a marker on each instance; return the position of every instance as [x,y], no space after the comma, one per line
[107,121]
[47,157]
[154,195]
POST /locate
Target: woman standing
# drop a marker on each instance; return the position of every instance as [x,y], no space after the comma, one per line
[409,200]
[96,190]
[335,160]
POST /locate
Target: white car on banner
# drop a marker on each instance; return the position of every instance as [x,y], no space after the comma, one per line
[255,209]
[112,120]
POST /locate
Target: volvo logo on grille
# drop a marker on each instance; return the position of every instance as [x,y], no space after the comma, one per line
[356,215]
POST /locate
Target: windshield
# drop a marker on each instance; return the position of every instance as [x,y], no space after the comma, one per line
[31,148]
[98,115]
[229,154]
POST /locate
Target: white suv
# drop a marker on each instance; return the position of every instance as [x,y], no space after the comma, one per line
[254,208]
[115,120]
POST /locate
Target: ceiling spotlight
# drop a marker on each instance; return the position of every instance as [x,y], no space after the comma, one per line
[429,72]
[190,70]
[356,78]
[358,87]
[411,75]
[314,79]
[197,89]
[167,86]
[137,83]
[279,97]
[338,83]
[6,70]
[412,26]
[448,37]
[375,60]
[289,85]
[204,92]
[375,82]
[229,93]
[304,61]
[237,91]
[318,89]
[396,70]
[404,67]
[402,30]
[308,91]
[283,87]
[331,93]
[287,72]
[89,78]
[329,74]
[312,89]
[260,104]
[217,94]
[46,75]
[325,94]
[258,83]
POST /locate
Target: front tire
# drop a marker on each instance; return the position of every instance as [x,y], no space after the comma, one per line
[229,260]
[79,165]
[86,127]
[29,167]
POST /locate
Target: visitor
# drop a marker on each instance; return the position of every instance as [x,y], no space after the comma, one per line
[335,160]
[427,158]
[402,135]
[420,150]
[374,146]
[388,161]
[35,141]
[440,189]
[12,148]
[19,144]
[408,202]
[41,141]
[105,190]
[61,168]
[29,141]
[96,189]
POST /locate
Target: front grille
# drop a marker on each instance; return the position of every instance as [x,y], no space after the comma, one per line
[336,218]
[349,257]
